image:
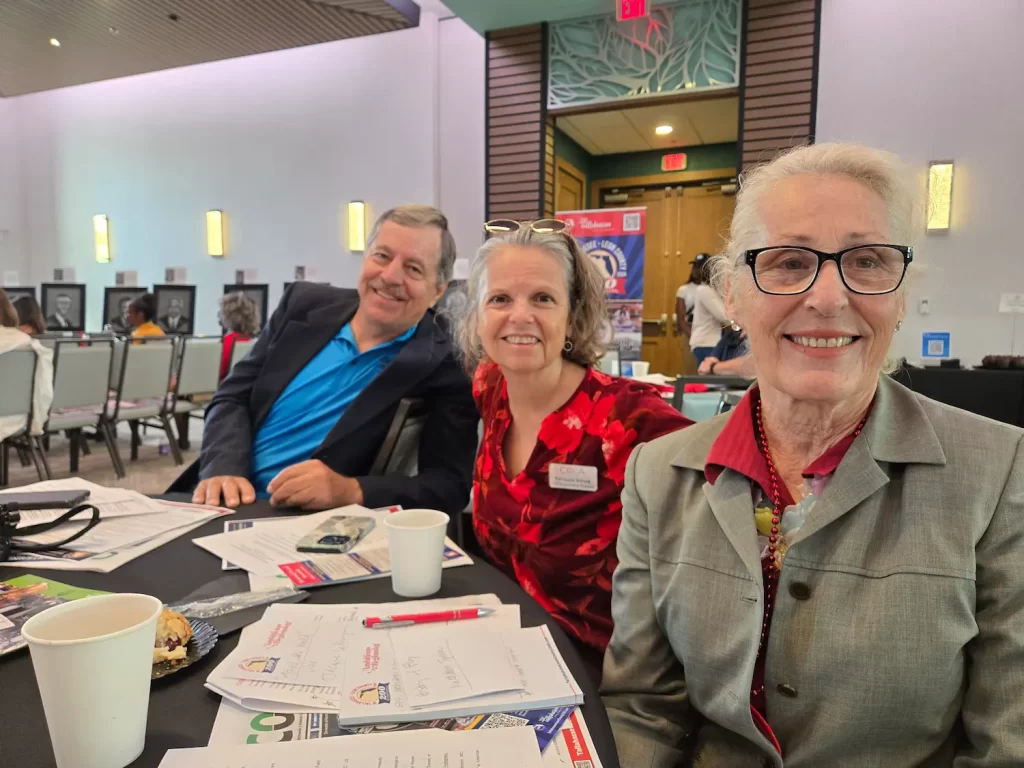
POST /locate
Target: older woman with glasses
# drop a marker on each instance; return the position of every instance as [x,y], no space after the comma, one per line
[556,432]
[832,573]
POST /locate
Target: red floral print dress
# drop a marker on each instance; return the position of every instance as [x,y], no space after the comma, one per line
[560,544]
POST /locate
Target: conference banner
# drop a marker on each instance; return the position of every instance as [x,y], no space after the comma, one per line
[615,240]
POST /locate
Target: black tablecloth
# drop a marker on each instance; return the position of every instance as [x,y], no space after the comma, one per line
[181,710]
[998,395]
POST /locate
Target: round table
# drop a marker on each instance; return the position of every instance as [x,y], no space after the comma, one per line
[181,710]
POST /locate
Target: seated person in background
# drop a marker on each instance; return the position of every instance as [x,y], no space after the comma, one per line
[12,338]
[831,574]
[303,416]
[557,432]
[141,312]
[30,315]
[240,319]
[730,356]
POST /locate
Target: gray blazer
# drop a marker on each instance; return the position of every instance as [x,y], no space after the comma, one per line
[909,649]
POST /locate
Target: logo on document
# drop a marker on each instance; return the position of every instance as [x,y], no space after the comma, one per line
[372,693]
[266,664]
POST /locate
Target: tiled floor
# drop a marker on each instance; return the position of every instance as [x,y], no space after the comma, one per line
[152,473]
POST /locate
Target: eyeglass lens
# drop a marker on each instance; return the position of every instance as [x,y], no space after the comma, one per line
[873,269]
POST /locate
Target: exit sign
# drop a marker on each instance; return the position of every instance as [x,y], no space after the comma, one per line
[630,9]
[674,162]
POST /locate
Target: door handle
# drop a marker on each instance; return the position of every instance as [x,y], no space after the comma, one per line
[662,322]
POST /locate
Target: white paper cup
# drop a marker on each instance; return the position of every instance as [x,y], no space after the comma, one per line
[416,550]
[93,659]
[640,368]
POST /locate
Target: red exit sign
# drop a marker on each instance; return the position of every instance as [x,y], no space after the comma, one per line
[630,9]
[674,162]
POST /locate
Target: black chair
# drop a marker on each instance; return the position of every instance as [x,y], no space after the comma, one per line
[712,382]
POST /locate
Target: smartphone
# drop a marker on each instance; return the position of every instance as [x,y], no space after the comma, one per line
[336,535]
[45,499]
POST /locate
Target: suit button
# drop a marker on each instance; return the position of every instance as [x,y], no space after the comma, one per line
[799,590]
[786,690]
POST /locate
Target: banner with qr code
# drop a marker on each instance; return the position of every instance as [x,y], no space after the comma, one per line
[615,240]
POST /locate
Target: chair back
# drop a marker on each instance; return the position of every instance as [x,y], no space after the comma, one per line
[713,383]
[199,373]
[17,372]
[116,364]
[81,374]
[399,453]
[146,368]
[240,350]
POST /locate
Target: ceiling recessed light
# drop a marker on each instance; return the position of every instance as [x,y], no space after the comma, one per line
[55,42]
[663,130]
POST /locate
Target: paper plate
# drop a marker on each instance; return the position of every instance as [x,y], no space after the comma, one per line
[204,637]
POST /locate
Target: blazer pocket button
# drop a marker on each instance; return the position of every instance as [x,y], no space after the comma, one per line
[786,690]
[799,590]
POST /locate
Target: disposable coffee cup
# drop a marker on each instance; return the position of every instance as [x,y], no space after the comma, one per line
[416,550]
[640,368]
[93,659]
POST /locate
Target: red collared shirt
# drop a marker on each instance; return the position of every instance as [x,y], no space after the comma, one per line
[560,544]
[738,448]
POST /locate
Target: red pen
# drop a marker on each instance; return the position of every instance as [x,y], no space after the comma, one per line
[411,619]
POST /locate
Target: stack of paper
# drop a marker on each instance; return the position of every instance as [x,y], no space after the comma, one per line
[500,748]
[270,550]
[130,525]
[303,658]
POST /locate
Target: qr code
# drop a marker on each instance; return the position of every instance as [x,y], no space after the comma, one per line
[631,222]
[503,721]
[935,347]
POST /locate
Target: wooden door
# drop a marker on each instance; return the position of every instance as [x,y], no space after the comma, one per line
[570,187]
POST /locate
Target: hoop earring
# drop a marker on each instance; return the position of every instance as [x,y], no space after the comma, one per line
[567,347]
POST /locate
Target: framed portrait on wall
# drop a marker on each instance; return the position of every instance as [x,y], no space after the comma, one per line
[116,299]
[260,294]
[175,308]
[63,306]
[16,292]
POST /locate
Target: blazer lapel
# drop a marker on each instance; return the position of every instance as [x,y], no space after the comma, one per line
[732,506]
[897,432]
[298,343]
[417,360]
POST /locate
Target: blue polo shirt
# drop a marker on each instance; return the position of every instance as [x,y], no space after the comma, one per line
[313,402]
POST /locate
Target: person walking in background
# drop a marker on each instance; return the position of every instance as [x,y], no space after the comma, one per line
[685,297]
[831,574]
[12,338]
[240,319]
[709,315]
[141,312]
[30,315]
[557,433]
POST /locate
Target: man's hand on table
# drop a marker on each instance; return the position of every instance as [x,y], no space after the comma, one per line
[312,485]
[235,491]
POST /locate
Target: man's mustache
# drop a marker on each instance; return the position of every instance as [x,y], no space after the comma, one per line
[394,290]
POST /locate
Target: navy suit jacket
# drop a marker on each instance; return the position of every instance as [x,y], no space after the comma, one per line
[308,317]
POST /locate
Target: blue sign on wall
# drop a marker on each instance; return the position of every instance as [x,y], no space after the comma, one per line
[935,344]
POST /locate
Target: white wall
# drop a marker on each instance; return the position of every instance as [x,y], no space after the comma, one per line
[13,249]
[280,142]
[934,81]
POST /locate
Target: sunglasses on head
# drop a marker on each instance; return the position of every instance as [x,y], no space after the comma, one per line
[540,226]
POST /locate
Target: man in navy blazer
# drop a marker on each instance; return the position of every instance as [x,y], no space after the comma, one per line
[302,416]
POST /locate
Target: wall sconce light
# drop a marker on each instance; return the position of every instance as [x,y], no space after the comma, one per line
[101,238]
[940,195]
[356,226]
[215,233]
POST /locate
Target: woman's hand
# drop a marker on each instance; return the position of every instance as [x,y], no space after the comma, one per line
[705,367]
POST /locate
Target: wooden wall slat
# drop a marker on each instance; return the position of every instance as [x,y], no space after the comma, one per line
[780,9]
[498,53]
[779,77]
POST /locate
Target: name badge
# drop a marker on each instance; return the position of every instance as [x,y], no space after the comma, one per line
[572,477]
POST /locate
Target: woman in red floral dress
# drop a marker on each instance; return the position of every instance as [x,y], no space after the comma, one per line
[557,433]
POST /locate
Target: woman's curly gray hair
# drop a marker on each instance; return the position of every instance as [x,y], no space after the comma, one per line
[588,315]
[239,314]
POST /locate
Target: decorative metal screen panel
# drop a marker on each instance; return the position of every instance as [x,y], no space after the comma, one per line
[689,45]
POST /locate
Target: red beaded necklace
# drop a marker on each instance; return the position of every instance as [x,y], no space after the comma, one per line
[774,477]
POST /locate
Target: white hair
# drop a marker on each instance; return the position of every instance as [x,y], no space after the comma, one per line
[882,172]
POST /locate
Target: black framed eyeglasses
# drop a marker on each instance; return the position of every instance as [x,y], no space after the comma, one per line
[870,270]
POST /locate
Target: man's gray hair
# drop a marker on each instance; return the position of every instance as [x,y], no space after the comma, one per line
[422,216]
